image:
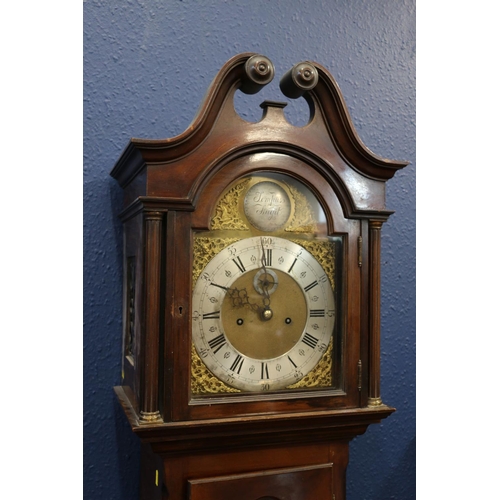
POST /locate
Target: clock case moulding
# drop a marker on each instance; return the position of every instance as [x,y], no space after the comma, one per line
[170,188]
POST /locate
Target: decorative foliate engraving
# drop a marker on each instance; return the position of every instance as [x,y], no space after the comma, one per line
[205,249]
[226,212]
[303,220]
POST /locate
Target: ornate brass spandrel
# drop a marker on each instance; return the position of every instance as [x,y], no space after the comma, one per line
[227,214]
[324,253]
[203,381]
[320,375]
[303,220]
[205,249]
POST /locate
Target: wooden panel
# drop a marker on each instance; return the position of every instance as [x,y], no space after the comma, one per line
[182,471]
[285,484]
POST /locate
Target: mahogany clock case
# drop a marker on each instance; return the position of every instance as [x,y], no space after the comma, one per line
[175,400]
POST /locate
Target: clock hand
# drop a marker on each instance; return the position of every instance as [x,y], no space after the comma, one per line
[220,286]
[265,313]
[265,282]
[239,297]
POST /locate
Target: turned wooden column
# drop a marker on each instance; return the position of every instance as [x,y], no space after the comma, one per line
[374,398]
[149,407]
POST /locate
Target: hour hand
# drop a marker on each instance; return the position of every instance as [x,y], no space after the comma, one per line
[239,297]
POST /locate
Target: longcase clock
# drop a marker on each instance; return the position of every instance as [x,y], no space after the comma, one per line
[251,344]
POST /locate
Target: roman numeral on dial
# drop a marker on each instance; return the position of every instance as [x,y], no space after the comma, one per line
[264,372]
[317,313]
[239,264]
[310,340]
[217,342]
[237,364]
[312,285]
[268,257]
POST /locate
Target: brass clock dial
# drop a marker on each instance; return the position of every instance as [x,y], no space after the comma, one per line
[263,313]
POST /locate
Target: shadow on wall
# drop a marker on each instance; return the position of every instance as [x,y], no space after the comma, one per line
[128,455]
[393,487]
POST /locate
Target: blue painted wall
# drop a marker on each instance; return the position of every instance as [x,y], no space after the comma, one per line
[147,65]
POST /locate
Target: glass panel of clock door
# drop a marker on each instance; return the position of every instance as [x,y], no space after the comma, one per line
[267,289]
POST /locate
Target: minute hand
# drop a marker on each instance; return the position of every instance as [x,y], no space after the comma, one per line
[265,281]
